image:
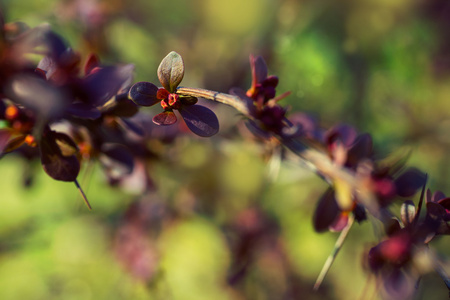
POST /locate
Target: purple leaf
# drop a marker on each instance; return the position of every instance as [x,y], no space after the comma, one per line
[398,285]
[121,107]
[259,68]
[48,65]
[307,125]
[171,71]
[56,45]
[57,158]
[165,118]
[438,218]
[438,195]
[144,93]
[344,133]
[339,223]
[327,211]
[92,62]
[435,211]
[117,159]
[392,226]
[360,149]
[38,95]
[102,85]
[445,203]
[201,120]
[409,182]
[130,125]
[84,111]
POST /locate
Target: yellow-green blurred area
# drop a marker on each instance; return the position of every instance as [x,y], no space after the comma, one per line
[227,219]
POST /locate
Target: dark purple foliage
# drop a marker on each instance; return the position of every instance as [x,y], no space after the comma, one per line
[409,182]
[200,120]
[97,107]
[438,211]
[58,156]
[165,118]
[327,211]
[144,94]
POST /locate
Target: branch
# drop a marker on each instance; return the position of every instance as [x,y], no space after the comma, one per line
[317,160]
[227,99]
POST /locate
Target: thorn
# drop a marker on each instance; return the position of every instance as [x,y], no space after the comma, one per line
[273,101]
[422,194]
[331,258]
[83,195]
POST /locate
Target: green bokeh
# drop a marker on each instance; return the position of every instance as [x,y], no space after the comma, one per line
[367,63]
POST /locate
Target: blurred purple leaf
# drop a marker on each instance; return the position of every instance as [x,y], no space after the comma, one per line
[38,95]
[92,62]
[307,125]
[102,85]
[409,182]
[121,107]
[130,125]
[326,212]
[339,223]
[435,210]
[398,285]
[360,149]
[84,111]
[445,203]
[144,93]
[392,226]
[344,133]
[56,159]
[48,65]
[259,68]
[438,195]
[439,217]
[117,159]
[56,45]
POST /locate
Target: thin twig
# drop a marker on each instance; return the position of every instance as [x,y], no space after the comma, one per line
[331,258]
[83,195]
[419,208]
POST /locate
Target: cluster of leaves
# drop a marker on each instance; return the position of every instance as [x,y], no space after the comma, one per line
[200,120]
[65,113]
[62,112]
[395,260]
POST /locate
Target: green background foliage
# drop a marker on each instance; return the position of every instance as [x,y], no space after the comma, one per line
[368,63]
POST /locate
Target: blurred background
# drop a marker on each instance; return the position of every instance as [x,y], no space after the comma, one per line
[225,218]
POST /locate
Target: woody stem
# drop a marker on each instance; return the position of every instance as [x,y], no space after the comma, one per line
[227,99]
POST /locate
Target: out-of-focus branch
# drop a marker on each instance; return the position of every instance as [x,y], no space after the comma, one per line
[317,160]
[227,99]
